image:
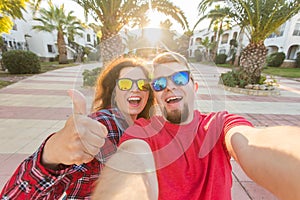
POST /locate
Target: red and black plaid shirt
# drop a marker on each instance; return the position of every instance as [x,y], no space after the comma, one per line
[32,180]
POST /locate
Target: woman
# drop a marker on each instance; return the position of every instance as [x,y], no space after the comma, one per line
[64,166]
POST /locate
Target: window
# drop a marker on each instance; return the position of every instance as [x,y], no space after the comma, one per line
[234,35]
[297,29]
[279,32]
[15,28]
[50,48]
[198,41]
[225,38]
[88,37]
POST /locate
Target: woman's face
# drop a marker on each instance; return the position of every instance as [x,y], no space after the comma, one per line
[131,102]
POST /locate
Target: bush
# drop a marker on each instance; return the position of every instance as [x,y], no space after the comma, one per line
[236,78]
[298,60]
[198,55]
[221,59]
[21,62]
[275,59]
[228,79]
[90,76]
[94,56]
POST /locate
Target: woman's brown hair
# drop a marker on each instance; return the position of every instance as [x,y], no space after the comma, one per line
[106,84]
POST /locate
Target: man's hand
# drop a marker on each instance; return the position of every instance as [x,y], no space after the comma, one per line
[78,141]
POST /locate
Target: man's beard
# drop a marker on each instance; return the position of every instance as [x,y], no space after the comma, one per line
[177,116]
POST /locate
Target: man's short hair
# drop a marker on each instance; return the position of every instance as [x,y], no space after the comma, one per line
[168,57]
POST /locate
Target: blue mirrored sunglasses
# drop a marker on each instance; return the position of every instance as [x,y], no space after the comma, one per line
[179,78]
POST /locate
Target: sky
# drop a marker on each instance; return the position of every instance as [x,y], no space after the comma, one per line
[189,8]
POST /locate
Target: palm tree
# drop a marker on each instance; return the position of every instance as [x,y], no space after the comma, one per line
[217,18]
[114,15]
[260,18]
[8,10]
[55,19]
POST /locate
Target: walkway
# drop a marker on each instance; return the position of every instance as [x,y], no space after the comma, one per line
[33,108]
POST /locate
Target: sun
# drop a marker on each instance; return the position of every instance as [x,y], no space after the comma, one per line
[155,19]
[153,30]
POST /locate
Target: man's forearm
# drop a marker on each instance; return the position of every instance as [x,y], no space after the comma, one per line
[270,156]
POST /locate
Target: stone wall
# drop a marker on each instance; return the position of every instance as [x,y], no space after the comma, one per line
[289,64]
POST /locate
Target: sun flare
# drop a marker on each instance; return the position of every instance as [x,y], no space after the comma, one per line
[155,19]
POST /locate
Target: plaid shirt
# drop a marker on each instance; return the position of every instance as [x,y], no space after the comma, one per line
[31,180]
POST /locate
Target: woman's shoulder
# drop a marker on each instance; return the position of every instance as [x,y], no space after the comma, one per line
[104,113]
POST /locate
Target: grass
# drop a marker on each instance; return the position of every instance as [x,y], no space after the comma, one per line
[45,66]
[275,71]
[49,66]
[284,72]
[4,83]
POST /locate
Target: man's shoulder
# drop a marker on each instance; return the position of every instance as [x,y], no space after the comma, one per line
[153,120]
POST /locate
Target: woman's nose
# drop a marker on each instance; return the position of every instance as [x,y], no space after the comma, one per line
[134,87]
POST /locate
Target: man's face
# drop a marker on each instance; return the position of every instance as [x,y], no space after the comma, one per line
[176,101]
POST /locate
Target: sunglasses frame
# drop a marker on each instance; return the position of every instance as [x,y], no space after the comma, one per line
[171,77]
[133,81]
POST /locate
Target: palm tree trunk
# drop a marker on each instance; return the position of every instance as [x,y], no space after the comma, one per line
[111,47]
[62,50]
[239,48]
[253,60]
[218,35]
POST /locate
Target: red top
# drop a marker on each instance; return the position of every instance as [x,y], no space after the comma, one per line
[191,160]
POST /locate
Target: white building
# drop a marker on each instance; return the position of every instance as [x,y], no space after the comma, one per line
[287,40]
[44,44]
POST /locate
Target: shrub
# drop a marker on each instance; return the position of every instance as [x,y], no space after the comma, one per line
[275,59]
[228,79]
[298,60]
[21,62]
[221,59]
[94,56]
[198,55]
[235,78]
[90,76]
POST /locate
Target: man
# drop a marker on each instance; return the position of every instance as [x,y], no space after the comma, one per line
[185,154]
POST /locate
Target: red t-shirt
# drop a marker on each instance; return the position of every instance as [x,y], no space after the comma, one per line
[191,160]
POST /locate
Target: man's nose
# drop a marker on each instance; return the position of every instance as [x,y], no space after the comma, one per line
[170,85]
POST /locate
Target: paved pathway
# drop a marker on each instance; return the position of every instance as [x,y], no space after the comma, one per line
[33,108]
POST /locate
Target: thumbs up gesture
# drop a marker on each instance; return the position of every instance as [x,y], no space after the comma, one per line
[78,141]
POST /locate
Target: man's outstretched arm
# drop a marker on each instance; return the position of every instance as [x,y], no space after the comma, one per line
[128,174]
[269,156]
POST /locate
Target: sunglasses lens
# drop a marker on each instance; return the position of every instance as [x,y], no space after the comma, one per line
[159,84]
[143,85]
[125,84]
[181,78]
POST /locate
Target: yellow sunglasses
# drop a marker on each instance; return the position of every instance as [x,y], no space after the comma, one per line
[126,84]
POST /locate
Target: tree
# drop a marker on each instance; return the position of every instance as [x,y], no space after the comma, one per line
[10,9]
[55,19]
[183,43]
[217,18]
[208,46]
[260,18]
[114,15]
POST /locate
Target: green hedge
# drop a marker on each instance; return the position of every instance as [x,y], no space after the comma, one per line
[221,59]
[90,76]
[21,62]
[275,59]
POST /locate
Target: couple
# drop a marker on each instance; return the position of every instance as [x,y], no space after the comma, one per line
[183,154]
